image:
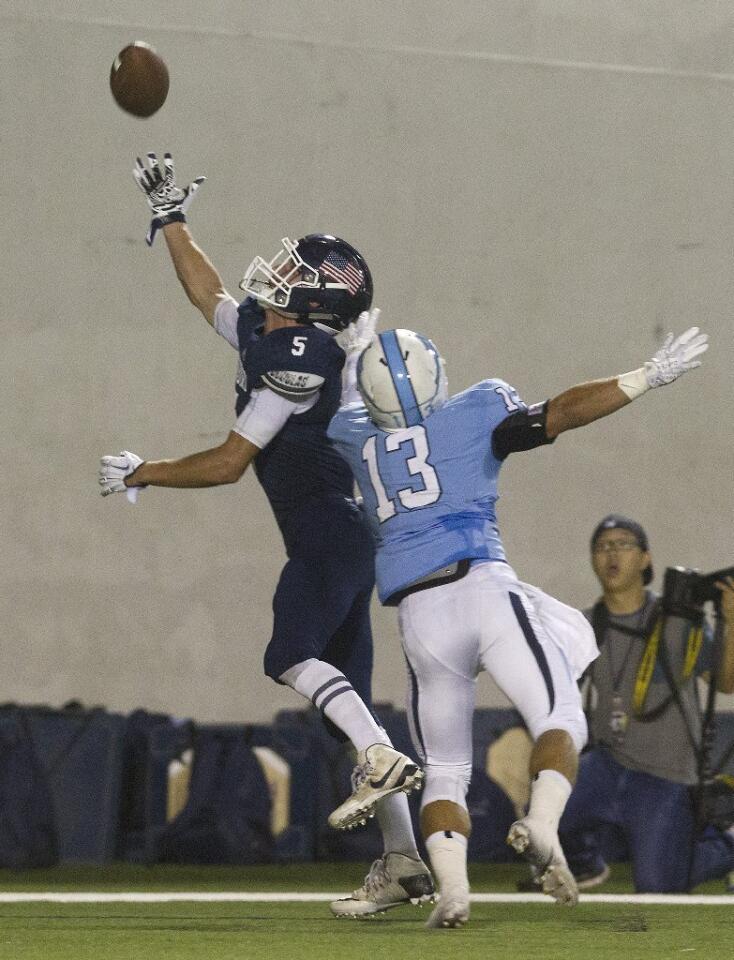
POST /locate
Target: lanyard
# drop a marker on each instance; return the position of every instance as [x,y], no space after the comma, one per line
[618,674]
[601,623]
[647,667]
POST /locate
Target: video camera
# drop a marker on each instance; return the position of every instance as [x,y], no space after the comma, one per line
[685,591]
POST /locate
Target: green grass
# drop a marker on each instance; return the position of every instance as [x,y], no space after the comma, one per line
[306,931]
[484,877]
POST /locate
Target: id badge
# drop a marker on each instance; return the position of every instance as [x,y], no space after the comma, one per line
[618,719]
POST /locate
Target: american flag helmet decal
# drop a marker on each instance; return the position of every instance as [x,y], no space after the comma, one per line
[340,268]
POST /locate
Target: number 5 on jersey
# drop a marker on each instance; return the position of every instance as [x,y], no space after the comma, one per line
[299,346]
[417,465]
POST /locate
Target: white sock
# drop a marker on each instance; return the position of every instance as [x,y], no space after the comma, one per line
[549,793]
[331,693]
[447,852]
[393,815]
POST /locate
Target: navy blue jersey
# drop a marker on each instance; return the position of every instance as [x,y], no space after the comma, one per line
[308,484]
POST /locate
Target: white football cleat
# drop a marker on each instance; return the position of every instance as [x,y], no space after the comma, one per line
[381,771]
[542,849]
[451,911]
[393,880]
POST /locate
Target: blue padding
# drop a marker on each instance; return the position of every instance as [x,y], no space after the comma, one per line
[81,752]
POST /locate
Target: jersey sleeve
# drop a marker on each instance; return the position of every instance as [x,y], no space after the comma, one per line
[338,429]
[346,432]
[293,385]
[266,414]
[226,316]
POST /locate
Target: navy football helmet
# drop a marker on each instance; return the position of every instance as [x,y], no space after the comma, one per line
[320,280]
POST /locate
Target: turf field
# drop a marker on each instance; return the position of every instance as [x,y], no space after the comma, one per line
[225,929]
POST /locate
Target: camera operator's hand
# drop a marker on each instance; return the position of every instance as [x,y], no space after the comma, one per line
[727,598]
[676,356]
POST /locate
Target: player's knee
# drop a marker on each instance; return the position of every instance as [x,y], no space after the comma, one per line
[278,661]
[446,782]
[574,724]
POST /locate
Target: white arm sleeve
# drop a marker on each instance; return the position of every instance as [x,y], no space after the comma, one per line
[350,392]
[225,321]
[266,414]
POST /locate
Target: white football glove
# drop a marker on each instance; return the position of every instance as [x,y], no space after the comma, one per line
[112,473]
[168,201]
[354,340]
[359,335]
[675,357]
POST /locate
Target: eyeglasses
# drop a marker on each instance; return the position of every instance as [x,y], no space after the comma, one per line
[622,545]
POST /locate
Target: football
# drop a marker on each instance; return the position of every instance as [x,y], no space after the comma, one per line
[139,80]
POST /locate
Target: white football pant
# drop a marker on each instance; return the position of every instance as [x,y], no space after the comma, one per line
[451,633]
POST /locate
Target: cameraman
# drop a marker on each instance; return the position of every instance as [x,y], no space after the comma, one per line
[645,726]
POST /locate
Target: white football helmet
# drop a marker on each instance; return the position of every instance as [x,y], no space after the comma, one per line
[401,379]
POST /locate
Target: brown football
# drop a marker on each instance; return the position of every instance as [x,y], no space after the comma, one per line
[139,79]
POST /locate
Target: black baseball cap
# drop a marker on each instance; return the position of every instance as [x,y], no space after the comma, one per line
[615,521]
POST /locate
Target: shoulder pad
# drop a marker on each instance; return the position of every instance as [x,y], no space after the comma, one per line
[504,392]
[292,384]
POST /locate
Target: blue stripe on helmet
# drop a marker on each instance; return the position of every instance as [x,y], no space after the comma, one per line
[400,378]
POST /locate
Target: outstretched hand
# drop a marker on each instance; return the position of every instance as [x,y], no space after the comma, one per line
[359,335]
[114,470]
[675,357]
[166,199]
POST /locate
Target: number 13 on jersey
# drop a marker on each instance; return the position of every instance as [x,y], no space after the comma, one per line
[417,466]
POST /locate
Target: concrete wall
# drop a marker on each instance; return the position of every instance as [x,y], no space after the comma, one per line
[543,187]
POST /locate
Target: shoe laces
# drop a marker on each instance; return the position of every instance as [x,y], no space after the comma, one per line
[360,774]
[377,879]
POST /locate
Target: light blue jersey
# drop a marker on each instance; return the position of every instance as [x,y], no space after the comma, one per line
[429,490]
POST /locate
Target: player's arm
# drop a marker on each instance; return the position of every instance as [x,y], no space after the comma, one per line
[583,404]
[208,468]
[541,423]
[587,402]
[195,271]
[262,419]
[168,203]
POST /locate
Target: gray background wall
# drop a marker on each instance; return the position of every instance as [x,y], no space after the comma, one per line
[543,187]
